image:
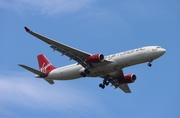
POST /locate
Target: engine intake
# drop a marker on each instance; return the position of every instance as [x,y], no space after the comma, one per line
[130,78]
[96,58]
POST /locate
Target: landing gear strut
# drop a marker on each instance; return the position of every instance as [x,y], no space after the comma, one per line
[150,61]
[105,83]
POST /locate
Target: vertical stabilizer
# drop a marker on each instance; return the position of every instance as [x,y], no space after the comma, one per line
[45,65]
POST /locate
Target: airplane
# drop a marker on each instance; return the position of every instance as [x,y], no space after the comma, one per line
[109,68]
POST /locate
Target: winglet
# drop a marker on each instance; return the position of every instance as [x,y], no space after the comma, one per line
[27,29]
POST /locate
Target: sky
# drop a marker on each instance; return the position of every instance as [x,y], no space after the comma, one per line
[94,26]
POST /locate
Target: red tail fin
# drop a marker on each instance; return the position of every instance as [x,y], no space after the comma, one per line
[45,65]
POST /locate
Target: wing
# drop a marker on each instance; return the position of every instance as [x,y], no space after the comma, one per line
[114,81]
[72,53]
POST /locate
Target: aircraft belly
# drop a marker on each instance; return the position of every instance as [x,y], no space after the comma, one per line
[104,70]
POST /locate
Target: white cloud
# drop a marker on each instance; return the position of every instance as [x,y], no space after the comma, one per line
[17,90]
[45,6]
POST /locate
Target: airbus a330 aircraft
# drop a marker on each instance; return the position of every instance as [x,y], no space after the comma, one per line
[110,67]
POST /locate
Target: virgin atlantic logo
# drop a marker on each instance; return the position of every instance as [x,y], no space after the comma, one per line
[44,67]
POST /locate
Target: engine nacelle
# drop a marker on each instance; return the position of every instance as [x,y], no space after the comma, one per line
[96,58]
[130,78]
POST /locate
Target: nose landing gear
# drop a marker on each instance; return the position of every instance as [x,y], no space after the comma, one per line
[150,61]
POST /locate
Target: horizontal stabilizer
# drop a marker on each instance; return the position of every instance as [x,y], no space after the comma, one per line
[125,88]
[41,74]
[50,81]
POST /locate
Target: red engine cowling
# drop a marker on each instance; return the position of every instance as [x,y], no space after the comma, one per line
[128,78]
[96,58]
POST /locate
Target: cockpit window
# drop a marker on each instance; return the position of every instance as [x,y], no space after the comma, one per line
[158,47]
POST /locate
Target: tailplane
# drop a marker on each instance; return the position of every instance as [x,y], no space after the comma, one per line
[37,72]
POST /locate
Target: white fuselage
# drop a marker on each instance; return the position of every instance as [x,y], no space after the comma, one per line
[118,61]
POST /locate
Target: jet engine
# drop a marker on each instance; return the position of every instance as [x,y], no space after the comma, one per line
[96,58]
[130,78]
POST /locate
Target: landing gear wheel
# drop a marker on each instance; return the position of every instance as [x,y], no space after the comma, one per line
[86,71]
[149,64]
[83,74]
[105,83]
[102,86]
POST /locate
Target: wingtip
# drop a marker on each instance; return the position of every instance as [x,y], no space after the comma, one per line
[20,65]
[27,29]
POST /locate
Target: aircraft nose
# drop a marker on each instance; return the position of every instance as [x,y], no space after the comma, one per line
[162,51]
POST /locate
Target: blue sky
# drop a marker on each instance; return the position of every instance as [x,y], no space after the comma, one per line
[94,26]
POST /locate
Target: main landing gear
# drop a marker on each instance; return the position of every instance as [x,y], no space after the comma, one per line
[105,83]
[86,71]
[150,61]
